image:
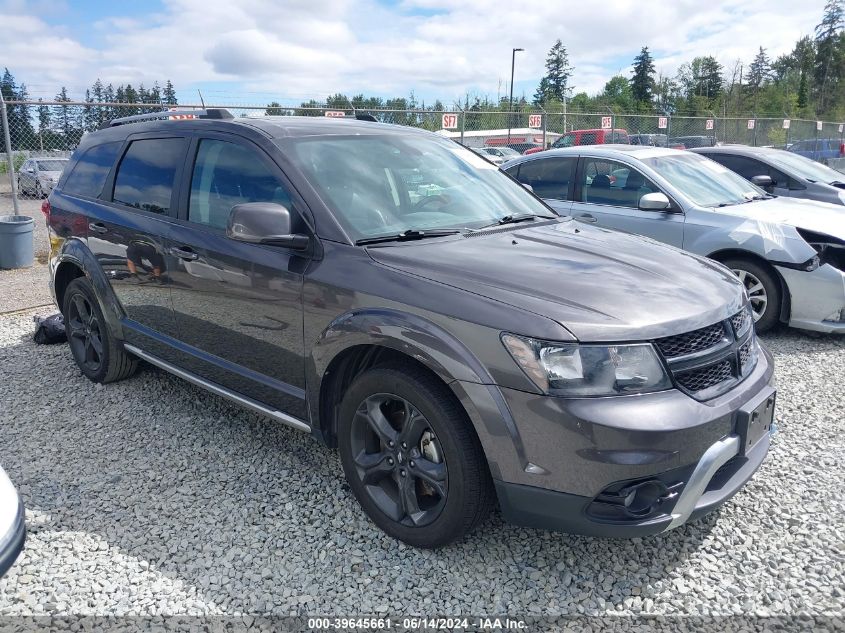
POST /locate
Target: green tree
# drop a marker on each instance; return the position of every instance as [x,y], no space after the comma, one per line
[21,131]
[168,94]
[554,86]
[274,108]
[617,95]
[642,82]
[829,53]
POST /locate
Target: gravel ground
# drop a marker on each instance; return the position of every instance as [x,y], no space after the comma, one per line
[152,497]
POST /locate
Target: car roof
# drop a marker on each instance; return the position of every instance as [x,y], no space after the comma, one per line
[272,126]
[612,149]
[745,150]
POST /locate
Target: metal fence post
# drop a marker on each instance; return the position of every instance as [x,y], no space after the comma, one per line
[463,122]
[544,115]
[10,161]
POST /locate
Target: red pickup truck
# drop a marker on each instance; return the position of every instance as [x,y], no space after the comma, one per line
[587,137]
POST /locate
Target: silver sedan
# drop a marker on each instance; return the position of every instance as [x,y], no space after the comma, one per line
[789,253]
[12,530]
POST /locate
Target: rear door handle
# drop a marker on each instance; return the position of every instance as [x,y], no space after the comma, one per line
[98,227]
[586,217]
[184,252]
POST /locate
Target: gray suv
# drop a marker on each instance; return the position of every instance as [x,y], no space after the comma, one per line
[398,297]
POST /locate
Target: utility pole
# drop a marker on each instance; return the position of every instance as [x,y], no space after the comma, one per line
[510,100]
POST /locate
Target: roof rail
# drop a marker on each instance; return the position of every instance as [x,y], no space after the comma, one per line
[208,113]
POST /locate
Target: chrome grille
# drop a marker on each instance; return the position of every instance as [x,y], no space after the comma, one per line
[710,360]
[705,377]
[691,342]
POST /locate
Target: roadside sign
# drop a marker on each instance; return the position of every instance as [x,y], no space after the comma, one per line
[819,125]
[606,122]
[750,124]
[535,120]
[662,123]
[786,123]
[708,124]
[335,113]
[449,121]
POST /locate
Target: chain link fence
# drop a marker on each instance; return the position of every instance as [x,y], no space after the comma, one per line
[53,129]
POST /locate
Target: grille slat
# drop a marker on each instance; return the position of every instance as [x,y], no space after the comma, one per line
[740,321]
[691,342]
[705,377]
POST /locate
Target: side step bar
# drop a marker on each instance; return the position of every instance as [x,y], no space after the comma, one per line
[249,403]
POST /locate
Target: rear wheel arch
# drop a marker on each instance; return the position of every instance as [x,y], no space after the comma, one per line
[66,272]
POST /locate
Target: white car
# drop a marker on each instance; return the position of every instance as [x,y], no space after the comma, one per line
[38,176]
[12,530]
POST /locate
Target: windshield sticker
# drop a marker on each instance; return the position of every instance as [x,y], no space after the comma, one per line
[472,158]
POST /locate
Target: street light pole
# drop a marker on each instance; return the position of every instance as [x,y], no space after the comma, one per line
[510,102]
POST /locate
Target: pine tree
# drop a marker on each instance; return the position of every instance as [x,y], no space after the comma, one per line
[829,53]
[555,85]
[168,95]
[642,83]
[759,73]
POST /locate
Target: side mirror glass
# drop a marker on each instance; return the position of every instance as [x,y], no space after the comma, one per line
[656,201]
[264,223]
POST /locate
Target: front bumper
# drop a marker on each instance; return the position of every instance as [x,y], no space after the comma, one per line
[577,453]
[816,296]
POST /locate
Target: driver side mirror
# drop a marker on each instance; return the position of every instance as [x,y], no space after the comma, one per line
[264,223]
[764,182]
[655,201]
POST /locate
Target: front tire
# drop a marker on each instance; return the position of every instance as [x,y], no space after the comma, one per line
[411,456]
[764,291]
[98,354]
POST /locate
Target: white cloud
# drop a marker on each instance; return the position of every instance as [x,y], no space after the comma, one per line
[305,48]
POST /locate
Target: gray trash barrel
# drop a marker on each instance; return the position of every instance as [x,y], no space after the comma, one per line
[16,249]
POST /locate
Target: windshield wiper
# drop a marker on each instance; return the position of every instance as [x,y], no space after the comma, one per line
[513,219]
[406,236]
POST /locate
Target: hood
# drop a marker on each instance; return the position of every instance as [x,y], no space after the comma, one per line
[601,285]
[821,217]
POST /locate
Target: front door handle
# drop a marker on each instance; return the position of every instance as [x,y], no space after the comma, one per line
[184,252]
[586,217]
[98,227]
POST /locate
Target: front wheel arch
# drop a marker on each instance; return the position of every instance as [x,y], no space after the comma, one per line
[735,253]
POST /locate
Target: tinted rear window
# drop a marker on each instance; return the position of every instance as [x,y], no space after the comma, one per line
[145,177]
[91,170]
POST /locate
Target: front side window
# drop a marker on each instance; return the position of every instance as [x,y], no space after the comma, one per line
[145,176]
[226,174]
[549,177]
[51,165]
[589,138]
[91,170]
[744,166]
[567,140]
[613,183]
[381,184]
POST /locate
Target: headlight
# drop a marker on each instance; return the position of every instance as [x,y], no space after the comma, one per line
[570,369]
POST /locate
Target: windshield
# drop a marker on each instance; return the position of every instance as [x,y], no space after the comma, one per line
[51,165]
[507,151]
[385,184]
[705,182]
[805,168]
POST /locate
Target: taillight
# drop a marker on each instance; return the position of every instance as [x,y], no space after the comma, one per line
[841,150]
[45,208]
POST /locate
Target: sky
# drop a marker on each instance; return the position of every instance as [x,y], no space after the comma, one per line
[255,51]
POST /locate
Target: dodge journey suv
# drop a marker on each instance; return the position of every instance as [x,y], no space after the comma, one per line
[398,297]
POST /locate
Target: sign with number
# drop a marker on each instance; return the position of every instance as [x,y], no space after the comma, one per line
[708,124]
[819,125]
[750,124]
[449,121]
[180,117]
[662,123]
[786,123]
[335,113]
[606,122]
[535,120]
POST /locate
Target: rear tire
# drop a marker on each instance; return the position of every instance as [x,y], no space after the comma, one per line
[763,290]
[431,486]
[99,355]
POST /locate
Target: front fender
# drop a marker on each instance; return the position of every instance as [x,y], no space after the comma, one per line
[441,352]
[75,252]
[772,241]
